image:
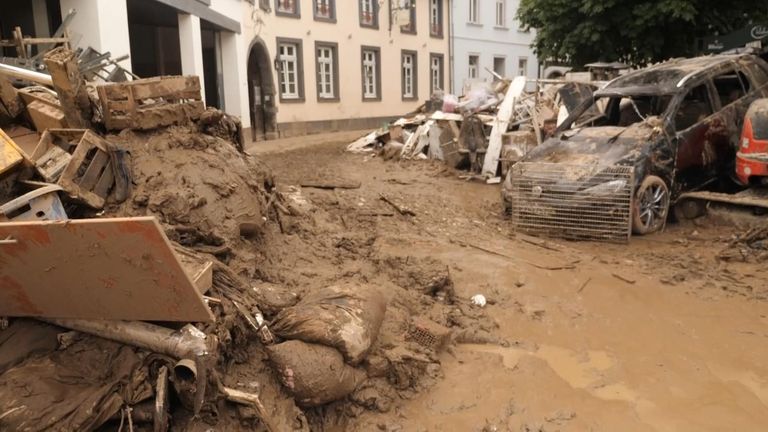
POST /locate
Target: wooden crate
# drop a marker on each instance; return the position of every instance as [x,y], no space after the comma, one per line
[88,176]
[53,152]
[151,103]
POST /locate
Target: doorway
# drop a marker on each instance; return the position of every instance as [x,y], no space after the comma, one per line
[261,92]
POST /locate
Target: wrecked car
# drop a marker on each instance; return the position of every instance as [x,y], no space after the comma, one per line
[673,127]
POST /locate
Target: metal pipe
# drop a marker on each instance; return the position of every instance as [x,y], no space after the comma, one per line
[189,342]
[25,74]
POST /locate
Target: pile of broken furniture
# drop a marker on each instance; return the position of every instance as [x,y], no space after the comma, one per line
[57,175]
[484,132]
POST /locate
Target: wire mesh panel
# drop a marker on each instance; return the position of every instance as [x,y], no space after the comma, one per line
[587,202]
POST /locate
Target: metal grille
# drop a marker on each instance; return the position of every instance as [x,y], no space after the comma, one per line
[584,202]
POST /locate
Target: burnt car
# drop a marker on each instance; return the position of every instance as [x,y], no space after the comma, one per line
[658,132]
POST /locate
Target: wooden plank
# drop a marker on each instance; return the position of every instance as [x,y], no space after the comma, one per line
[94,170]
[500,126]
[9,154]
[116,269]
[45,116]
[9,96]
[105,183]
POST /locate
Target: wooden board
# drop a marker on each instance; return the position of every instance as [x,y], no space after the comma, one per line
[9,153]
[120,269]
[500,126]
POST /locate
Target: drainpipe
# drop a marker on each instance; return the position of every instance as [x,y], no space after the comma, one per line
[450,47]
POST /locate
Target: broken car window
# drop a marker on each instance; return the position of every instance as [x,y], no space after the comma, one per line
[694,108]
[628,110]
[730,87]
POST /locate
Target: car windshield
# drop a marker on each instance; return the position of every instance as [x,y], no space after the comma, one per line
[623,110]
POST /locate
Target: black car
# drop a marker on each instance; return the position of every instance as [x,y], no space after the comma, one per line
[677,124]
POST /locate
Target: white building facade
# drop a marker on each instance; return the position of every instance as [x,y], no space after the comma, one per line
[487,37]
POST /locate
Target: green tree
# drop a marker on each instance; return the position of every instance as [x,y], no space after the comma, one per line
[577,32]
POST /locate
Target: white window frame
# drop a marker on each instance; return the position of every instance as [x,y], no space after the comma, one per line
[522,71]
[504,59]
[435,23]
[474,11]
[501,13]
[325,79]
[369,74]
[287,6]
[408,71]
[473,70]
[367,7]
[288,61]
[436,72]
[328,7]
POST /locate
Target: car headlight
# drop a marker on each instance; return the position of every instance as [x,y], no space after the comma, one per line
[612,187]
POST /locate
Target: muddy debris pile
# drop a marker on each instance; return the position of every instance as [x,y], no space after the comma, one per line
[751,246]
[144,281]
[484,132]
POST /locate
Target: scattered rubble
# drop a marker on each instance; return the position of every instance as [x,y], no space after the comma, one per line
[484,132]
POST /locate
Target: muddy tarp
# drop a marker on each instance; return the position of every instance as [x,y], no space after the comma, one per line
[75,389]
[346,317]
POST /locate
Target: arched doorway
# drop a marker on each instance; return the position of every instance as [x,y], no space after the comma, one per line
[261,92]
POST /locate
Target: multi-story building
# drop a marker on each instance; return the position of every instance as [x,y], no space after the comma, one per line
[285,67]
[487,37]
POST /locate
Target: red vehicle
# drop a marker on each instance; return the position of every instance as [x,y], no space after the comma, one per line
[752,157]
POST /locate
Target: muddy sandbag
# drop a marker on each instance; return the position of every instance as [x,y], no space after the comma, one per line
[313,374]
[347,317]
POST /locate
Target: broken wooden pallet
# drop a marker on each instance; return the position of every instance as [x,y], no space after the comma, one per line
[151,103]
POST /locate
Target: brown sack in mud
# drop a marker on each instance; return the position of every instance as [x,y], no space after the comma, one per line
[313,374]
[347,317]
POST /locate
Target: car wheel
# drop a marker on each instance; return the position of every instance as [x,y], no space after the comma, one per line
[689,209]
[651,206]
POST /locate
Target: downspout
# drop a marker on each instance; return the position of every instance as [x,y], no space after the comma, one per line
[450,47]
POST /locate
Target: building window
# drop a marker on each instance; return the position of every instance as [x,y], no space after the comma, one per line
[325,10]
[371,73]
[288,8]
[369,13]
[409,75]
[327,64]
[436,18]
[410,6]
[522,67]
[501,13]
[474,66]
[291,69]
[500,66]
[474,12]
[435,72]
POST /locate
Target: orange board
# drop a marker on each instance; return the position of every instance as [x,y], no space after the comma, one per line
[122,269]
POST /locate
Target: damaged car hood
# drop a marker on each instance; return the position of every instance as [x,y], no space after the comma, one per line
[603,146]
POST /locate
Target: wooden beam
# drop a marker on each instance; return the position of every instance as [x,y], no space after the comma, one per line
[70,86]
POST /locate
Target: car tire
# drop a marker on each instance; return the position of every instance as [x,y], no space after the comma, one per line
[689,209]
[651,206]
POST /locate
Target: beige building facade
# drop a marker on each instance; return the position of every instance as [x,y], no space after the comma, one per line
[342,64]
[285,67]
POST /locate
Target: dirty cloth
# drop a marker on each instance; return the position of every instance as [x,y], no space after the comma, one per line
[76,389]
[347,317]
[313,374]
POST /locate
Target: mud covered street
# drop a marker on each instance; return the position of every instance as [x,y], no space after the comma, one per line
[657,334]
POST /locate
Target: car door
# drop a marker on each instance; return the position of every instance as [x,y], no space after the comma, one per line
[699,130]
[734,93]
